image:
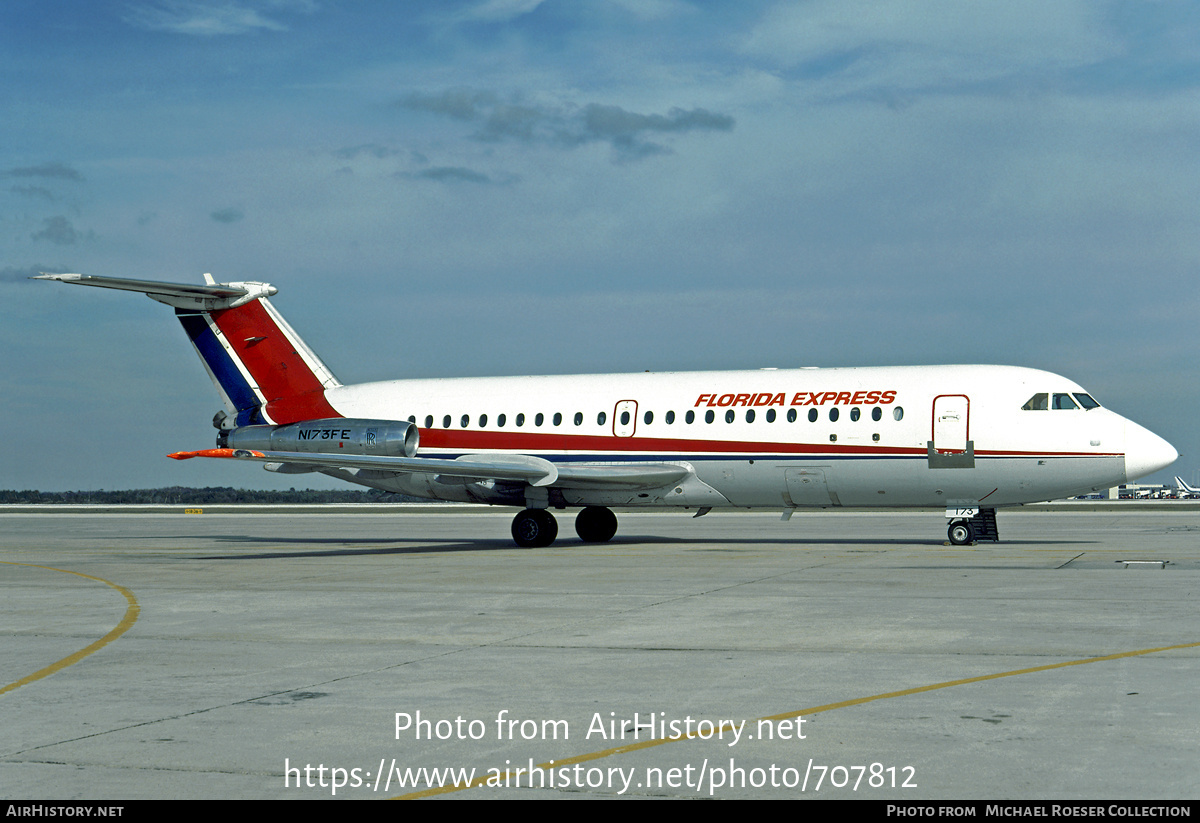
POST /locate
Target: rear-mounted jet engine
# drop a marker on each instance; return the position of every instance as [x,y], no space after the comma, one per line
[336,435]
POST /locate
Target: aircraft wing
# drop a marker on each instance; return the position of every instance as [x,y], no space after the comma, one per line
[521,468]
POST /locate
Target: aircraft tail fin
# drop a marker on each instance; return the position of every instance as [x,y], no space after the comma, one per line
[1182,486]
[264,371]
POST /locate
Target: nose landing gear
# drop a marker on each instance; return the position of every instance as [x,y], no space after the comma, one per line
[961,533]
[967,530]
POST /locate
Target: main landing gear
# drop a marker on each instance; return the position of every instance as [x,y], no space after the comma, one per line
[534,528]
[537,528]
[595,524]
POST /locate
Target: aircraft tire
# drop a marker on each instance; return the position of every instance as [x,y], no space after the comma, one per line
[961,533]
[595,524]
[534,528]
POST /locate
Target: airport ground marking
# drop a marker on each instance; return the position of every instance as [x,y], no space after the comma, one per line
[131,615]
[857,701]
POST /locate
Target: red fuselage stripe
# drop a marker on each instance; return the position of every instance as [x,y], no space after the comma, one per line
[530,442]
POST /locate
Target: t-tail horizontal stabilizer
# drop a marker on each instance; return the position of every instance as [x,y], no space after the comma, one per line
[180,295]
[264,371]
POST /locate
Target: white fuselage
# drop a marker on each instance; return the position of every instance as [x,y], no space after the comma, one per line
[886,436]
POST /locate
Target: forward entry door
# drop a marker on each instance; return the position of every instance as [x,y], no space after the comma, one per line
[951,446]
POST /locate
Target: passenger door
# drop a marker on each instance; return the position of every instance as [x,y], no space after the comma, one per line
[625,418]
[951,447]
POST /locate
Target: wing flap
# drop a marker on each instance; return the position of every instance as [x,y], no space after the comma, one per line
[623,475]
[521,468]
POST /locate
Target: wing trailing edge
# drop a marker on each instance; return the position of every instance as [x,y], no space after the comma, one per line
[521,468]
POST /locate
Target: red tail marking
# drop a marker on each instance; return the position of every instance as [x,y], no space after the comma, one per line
[293,393]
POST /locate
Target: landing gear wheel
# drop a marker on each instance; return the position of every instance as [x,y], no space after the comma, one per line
[595,524]
[534,528]
[961,533]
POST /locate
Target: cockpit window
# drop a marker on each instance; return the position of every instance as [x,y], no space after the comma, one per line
[1060,400]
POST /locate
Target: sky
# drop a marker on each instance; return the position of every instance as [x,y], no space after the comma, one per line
[494,187]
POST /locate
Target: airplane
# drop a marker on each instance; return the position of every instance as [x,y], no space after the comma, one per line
[969,439]
[1185,489]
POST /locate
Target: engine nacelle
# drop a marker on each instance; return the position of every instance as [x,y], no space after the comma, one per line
[335,435]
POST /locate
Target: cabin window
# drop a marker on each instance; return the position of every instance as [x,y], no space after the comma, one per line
[876,414]
[412,418]
[812,415]
[648,417]
[429,421]
[709,416]
[729,416]
[834,414]
[446,422]
[521,419]
[749,415]
[770,415]
[600,418]
[558,418]
[670,417]
[482,421]
[466,420]
[690,417]
[1064,401]
[791,415]
[624,418]
[578,418]
[855,413]
[898,413]
[1086,401]
[1039,402]
[539,419]
[500,420]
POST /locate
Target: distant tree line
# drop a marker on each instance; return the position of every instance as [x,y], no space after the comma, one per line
[182,495]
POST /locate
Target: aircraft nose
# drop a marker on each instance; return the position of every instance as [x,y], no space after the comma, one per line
[1145,452]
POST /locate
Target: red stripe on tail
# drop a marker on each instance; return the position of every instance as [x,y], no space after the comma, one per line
[291,390]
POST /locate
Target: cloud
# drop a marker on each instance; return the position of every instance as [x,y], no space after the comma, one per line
[207,19]
[448,174]
[368,150]
[229,215]
[56,171]
[624,129]
[57,230]
[497,11]
[460,104]
[33,191]
[927,45]
[566,125]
